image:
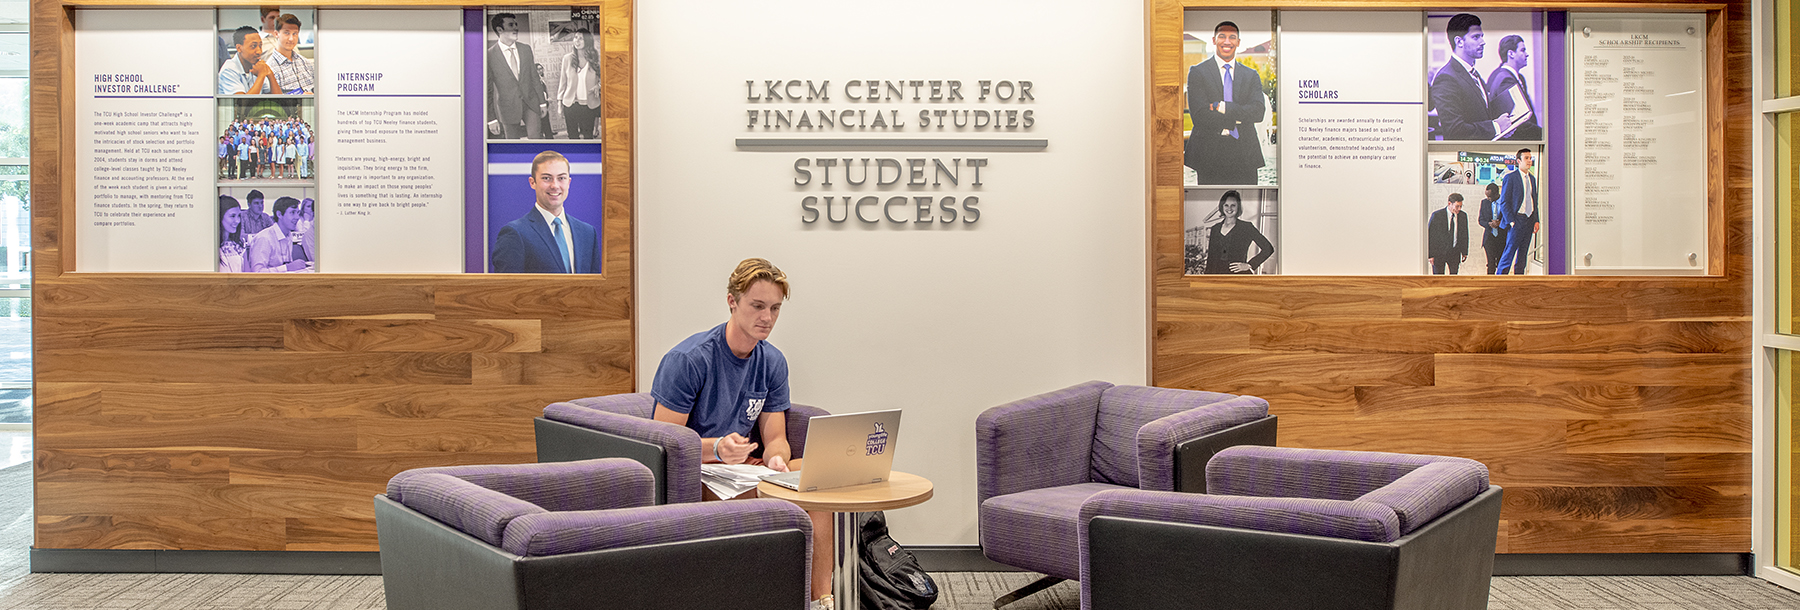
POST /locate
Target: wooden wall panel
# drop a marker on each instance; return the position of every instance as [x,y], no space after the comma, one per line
[215,412]
[1614,410]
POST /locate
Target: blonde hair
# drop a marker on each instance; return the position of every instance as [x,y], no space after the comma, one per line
[546,157]
[753,270]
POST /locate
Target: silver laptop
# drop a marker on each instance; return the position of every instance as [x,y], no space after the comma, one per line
[845,450]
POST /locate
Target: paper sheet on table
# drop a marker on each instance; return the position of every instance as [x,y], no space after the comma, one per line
[729,480]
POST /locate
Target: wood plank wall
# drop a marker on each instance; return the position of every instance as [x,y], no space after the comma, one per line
[1615,411]
[212,411]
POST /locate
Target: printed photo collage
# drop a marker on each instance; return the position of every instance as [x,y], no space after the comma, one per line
[1483,109]
[540,117]
[267,146]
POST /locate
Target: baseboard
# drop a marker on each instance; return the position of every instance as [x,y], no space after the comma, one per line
[934,558]
[1622,564]
[336,563]
[968,558]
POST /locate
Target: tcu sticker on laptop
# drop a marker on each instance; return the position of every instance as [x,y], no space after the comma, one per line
[878,440]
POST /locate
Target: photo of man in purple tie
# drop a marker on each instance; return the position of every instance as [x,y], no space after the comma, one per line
[1225,102]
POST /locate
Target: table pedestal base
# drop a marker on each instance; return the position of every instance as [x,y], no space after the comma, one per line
[848,572]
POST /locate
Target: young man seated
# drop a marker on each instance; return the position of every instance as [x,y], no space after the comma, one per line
[724,382]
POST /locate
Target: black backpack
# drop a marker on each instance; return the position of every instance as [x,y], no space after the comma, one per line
[890,574]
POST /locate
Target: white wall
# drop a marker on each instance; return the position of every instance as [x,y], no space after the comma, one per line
[1046,290]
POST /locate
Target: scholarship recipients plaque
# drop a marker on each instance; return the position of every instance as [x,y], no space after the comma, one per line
[1640,126]
[143,139]
[390,106]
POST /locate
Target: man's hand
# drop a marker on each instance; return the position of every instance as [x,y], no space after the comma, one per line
[777,464]
[494,127]
[1503,123]
[261,68]
[733,448]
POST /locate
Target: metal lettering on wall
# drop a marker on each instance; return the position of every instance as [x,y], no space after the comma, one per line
[941,189]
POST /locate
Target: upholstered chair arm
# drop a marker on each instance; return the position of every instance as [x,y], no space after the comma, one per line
[1312,473]
[639,404]
[1346,519]
[558,486]
[470,508]
[1430,491]
[798,418]
[1157,441]
[574,532]
[681,445]
[1037,442]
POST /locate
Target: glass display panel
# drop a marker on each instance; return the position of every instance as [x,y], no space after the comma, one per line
[1786,227]
[1786,49]
[1785,448]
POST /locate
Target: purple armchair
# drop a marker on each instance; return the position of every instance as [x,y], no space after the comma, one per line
[580,535]
[1040,458]
[1298,528]
[620,426]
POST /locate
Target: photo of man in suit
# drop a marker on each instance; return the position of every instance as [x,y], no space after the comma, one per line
[1493,240]
[546,240]
[1459,95]
[1225,102]
[516,103]
[1448,236]
[1511,74]
[1520,207]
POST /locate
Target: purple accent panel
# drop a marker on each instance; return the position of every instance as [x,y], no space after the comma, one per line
[574,532]
[1286,472]
[1125,409]
[1556,165]
[1037,529]
[1432,490]
[474,135]
[582,485]
[1037,442]
[470,508]
[1156,441]
[681,445]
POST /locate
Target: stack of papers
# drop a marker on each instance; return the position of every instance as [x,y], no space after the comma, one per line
[729,480]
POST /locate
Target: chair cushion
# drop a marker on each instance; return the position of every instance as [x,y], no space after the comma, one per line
[1124,409]
[1039,529]
[1432,490]
[470,508]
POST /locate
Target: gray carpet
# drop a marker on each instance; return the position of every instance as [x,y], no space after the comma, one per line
[20,589]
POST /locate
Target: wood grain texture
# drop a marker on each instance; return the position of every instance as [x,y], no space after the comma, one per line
[1614,409]
[413,336]
[241,412]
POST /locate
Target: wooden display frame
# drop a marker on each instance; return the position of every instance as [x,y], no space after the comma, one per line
[1615,410]
[213,411]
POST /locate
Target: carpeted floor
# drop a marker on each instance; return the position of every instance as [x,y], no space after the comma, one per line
[21,590]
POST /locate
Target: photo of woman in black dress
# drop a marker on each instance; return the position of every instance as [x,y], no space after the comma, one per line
[1228,243]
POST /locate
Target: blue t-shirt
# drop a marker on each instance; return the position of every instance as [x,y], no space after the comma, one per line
[720,392]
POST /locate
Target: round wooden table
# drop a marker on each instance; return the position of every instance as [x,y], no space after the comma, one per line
[899,491]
